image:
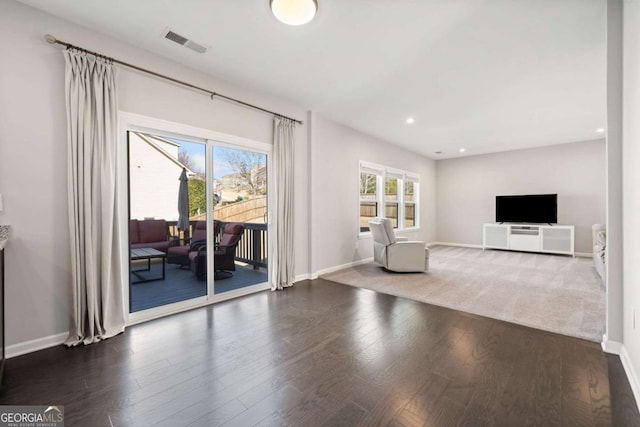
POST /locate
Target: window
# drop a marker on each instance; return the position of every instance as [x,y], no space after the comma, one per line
[388,193]
[368,198]
[410,190]
[391,199]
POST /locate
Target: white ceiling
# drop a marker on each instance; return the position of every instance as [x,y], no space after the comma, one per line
[486,75]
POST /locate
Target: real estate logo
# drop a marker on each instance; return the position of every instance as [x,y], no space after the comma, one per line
[31,416]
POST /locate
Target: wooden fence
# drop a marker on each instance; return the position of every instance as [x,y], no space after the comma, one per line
[245,211]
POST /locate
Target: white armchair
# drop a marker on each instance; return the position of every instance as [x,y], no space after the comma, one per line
[394,253]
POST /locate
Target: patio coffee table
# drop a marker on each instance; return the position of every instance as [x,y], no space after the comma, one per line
[148,254]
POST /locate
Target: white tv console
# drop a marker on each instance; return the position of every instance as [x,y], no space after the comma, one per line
[554,239]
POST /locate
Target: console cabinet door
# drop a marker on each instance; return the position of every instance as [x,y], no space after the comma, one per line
[524,242]
[557,239]
[496,236]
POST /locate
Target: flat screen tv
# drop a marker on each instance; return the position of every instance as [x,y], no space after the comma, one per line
[532,208]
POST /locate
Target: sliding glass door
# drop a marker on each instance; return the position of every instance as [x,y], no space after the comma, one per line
[198,220]
[240,217]
[167,178]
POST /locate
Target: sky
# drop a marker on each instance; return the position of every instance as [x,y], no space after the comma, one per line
[197,153]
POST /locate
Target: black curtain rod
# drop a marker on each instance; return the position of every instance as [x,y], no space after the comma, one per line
[52,40]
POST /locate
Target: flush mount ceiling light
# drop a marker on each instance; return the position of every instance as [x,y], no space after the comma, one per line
[411,120]
[294,12]
[600,130]
[462,150]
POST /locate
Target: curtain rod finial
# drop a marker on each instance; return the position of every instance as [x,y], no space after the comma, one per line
[50,39]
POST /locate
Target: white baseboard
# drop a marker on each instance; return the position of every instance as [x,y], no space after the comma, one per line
[467,245]
[25,347]
[608,346]
[301,277]
[614,347]
[631,374]
[340,267]
[583,254]
[457,245]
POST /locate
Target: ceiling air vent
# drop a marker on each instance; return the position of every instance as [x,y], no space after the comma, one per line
[174,37]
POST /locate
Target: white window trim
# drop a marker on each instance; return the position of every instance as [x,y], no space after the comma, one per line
[403,176]
[414,202]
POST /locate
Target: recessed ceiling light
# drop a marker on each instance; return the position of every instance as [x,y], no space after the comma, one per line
[600,130]
[438,152]
[411,120]
[462,150]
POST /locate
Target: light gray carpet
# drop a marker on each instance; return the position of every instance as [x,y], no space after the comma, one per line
[550,292]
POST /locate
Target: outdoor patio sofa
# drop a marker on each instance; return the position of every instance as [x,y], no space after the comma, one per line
[149,233]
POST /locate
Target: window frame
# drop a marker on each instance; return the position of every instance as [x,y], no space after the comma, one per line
[382,173]
[415,180]
[378,174]
[141,123]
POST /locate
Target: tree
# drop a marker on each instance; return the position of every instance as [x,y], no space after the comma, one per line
[391,187]
[185,158]
[197,196]
[367,184]
[250,166]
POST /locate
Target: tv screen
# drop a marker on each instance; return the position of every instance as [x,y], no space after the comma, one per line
[533,208]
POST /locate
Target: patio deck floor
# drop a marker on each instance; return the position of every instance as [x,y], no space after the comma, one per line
[182,284]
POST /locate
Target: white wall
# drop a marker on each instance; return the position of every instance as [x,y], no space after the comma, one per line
[33,152]
[467,187]
[631,190]
[614,253]
[336,151]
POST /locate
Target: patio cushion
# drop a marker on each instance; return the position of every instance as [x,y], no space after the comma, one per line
[148,233]
[200,231]
[224,254]
[153,230]
[231,233]
[179,250]
[134,232]
[179,254]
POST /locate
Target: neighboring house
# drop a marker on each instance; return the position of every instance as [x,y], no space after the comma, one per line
[259,178]
[154,177]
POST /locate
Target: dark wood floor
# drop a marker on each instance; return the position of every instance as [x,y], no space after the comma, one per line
[322,353]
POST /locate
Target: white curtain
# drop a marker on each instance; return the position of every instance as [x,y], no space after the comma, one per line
[282,259]
[91,100]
